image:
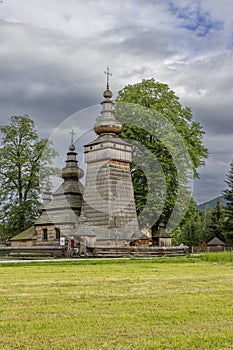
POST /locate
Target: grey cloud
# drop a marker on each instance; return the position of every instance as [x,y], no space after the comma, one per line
[153,43]
[206,86]
[215,118]
[47,86]
[213,175]
[212,180]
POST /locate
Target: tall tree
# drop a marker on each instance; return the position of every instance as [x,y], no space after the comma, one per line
[163,132]
[205,218]
[187,232]
[194,228]
[23,158]
[216,224]
[228,220]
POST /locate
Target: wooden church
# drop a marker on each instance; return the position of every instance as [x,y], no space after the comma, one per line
[98,219]
[102,213]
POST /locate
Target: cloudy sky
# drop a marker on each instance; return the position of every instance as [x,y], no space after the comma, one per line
[53,55]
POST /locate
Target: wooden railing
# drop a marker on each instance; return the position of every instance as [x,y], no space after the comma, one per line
[33,251]
[93,251]
[139,251]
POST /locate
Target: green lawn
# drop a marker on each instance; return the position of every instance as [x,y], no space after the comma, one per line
[169,303]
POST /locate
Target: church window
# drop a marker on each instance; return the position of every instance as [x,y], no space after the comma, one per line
[58,233]
[45,234]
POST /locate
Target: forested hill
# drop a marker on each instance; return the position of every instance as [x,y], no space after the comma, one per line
[211,203]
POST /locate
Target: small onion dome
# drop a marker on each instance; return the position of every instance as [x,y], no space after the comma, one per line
[71,169]
[107,93]
[71,147]
[106,123]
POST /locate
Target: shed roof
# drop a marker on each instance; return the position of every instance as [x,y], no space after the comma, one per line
[25,235]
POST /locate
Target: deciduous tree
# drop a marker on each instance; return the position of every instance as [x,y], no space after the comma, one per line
[23,156]
[153,116]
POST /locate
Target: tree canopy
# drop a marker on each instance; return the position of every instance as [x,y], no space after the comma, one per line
[228,211]
[168,150]
[23,155]
[216,224]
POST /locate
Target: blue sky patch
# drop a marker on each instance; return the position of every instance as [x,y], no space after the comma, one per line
[194,18]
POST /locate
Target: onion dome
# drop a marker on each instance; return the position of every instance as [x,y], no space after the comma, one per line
[106,122]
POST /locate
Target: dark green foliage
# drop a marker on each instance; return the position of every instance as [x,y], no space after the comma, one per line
[23,158]
[199,226]
[205,217]
[228,220]
[190,230]
[168,150]
[217,217]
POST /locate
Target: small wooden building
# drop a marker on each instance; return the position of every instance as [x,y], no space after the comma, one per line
[26,238]
[162,238]
[143,240]
[215,245]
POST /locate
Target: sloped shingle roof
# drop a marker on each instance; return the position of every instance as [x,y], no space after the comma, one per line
[216,241]
[27,234]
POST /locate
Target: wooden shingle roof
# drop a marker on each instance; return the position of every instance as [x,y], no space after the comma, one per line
[25,235]
[216,242]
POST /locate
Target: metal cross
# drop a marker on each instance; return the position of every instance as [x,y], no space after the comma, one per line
[72,133]
[108,75]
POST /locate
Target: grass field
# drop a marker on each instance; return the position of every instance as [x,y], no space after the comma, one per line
[169,303]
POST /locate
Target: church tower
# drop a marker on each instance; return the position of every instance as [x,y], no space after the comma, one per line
[71,188]
[61,209]
[108,203]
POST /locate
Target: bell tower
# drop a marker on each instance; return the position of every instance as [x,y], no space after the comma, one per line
[108,202]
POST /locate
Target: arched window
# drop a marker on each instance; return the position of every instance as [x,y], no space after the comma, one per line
[58,233]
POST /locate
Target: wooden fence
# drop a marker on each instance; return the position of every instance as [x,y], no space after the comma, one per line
[128,251]
[46,251]
[93,252]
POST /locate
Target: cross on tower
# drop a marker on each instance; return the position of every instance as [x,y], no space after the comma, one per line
[108,75]
[72,133]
